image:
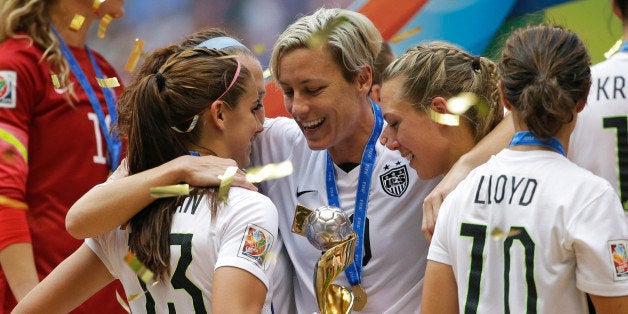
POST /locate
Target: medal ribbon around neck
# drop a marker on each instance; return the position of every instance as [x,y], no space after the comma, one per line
[354,271]
[624,47]
[113,142]
[527,138]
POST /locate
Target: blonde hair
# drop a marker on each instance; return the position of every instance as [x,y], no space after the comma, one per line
[32,17]
[442,69]
[354,44]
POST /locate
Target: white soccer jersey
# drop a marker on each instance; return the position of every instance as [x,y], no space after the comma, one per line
[600,140]
[395,249]
[241,235]
[532,230]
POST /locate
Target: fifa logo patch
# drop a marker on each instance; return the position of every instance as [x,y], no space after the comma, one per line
[8,97]
[256,242]
[395,180]
[619,258]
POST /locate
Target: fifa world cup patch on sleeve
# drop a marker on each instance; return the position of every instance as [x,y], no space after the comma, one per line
[8,81]
[255,244]
[619,258]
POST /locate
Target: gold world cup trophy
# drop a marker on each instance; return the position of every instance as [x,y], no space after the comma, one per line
[328,229]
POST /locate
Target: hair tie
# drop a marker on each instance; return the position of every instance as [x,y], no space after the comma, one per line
[475,63]
[220,43]
[161,81]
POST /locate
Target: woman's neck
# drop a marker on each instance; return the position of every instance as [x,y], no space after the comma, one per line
[351,148]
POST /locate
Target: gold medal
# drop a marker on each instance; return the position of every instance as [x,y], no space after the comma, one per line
[359,297]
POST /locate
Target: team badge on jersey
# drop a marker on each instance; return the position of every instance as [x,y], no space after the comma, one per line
[256,243]
[619,255]
[395,180]
[8,97]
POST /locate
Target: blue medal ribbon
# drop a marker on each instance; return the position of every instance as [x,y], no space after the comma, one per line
[624,47]
[527,138]
[113,142]
[354,271]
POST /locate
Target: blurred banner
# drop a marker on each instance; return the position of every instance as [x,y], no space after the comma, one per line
[478,26]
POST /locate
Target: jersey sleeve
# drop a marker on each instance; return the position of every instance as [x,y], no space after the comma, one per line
[18,97]
[250,236]
[599,237]
[107,247]
[439,247]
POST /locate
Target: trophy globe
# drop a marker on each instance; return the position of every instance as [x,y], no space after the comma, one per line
[327,226]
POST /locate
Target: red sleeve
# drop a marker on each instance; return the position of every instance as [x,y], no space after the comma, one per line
[18,96]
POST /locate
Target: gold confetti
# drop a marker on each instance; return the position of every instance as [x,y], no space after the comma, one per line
[405,35]
[443,118]
[104,23]
[269,172]
[225,183]
[77,22]
[320,37]
[145,274]
[499,234]
[170,190]
[108,82]
[12,202]
[259,49]
[55,81]
[460,103]
[96,4]
[613,49]
[134,57]
[267,73]
[122,302]
[137,295]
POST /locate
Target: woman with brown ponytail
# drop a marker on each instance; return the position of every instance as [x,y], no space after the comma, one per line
[529,231]
[206,255]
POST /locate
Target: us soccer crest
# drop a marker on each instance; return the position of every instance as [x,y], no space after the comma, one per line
[395,181]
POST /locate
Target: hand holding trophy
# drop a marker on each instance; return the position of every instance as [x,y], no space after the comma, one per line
[328,229]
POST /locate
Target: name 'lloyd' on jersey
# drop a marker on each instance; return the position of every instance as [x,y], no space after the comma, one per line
[496,189]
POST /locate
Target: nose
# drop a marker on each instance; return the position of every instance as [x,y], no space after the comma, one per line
[389,139]
[297,106]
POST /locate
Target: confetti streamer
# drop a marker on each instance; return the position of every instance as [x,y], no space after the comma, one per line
[443,118]
[405,35]
[108,82]
[137,295]
[104,23]
[142,272]
[12,202]
[613,49]
[170,191]
[134,57]
[77,22]
[259,49]
[267,73]
[55,81]
[225,183]
[269,172]
[96,4]
[499,234]
[320,37]
[124,305]
[462,102]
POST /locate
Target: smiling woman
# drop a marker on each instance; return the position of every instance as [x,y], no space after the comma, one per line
[421,81]
[203,253]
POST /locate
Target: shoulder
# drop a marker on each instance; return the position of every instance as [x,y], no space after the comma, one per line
[250,201]
[19,52]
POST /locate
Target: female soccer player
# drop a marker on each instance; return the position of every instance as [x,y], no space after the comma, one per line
[529,231]
[203,253]
[415,92]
